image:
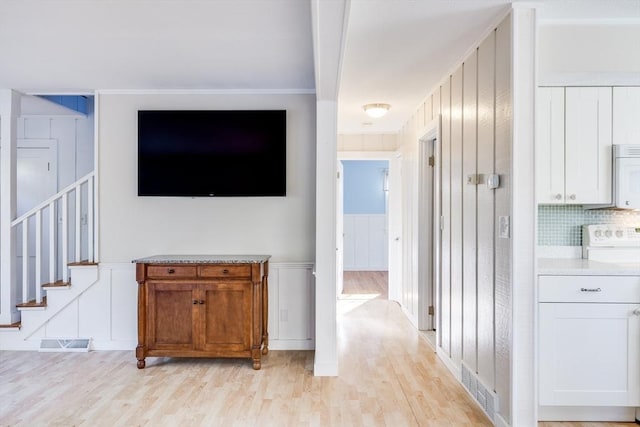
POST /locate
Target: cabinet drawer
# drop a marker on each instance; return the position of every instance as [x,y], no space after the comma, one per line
[226,270]
[166,271]
[611,289]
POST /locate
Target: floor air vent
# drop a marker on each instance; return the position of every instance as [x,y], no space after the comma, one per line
[486,398]
[62,344]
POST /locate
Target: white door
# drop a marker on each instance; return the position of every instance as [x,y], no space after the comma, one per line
[36,181]
[394,214]
[339,230]
[589,354]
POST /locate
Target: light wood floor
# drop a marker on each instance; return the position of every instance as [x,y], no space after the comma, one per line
[370,284]
[389,376]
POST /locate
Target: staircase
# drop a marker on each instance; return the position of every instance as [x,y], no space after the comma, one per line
[54,264]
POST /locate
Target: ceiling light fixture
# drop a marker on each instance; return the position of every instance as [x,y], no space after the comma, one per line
[376,110]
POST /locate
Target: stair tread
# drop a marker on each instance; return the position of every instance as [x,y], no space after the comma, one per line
[33,303]
[81,263]
[57,284]
[11,326]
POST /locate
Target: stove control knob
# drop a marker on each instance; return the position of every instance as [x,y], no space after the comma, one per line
[619,233]
[608,233]
[598,233]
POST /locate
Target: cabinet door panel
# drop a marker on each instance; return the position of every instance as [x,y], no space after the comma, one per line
[226,315]
[589,354]
[626,115]
[550,145]
[171,320]
[588,145]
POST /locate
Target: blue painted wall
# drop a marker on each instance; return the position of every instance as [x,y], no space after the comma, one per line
[363,186]
[75,102]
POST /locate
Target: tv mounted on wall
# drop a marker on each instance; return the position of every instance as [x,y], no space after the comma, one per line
[212,153]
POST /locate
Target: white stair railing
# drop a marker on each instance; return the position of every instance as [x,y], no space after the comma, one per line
[56,241]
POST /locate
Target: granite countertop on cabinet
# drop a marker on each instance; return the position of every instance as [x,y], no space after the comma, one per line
[586,267]
[203,259]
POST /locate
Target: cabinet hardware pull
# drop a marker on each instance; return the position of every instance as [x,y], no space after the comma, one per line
[225,271]
[171,271]
[201,301]
[572,197]
[636,312]
[195,301]
[590,289]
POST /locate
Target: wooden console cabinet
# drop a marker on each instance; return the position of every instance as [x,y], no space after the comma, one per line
[202,306]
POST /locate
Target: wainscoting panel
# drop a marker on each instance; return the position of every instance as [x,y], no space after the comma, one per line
[365,242]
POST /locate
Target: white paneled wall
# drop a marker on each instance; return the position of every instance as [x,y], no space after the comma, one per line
[291,306]
[365,242]
[474,324]
[107,311]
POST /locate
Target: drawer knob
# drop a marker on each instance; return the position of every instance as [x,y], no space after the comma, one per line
[201,301]
[195,302]
[225,271]
[590,289]
[636,312]
[171,271]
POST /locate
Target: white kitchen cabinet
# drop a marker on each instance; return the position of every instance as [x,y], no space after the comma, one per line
[589,341]
[588,145]
[573,146]
[626,115]
[550,145]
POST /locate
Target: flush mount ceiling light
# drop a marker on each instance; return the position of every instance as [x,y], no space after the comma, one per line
[376,110]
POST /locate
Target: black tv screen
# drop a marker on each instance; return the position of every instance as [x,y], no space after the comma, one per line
[212,153]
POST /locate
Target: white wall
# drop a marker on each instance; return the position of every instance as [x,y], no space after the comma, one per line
[589,55]
[133,227]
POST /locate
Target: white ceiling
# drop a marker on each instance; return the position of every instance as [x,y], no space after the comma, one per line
[396,51]
[71,45]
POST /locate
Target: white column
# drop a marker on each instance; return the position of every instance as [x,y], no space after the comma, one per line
[326,357]
[523,281]
[9,112]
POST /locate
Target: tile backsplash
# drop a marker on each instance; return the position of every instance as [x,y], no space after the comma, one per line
[560,225]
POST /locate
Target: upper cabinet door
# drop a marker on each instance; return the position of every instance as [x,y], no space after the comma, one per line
[626,115]
[588,139]
[550,146]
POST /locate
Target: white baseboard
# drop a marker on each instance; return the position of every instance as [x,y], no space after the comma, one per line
[114,346]
[453,368]
[292,345]
[325,369]
[500,422]
[591,413]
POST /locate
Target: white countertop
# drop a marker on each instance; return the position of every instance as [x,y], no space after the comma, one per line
[585,267]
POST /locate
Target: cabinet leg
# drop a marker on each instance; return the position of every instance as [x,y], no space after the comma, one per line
[257,364]
[141,364]
[265,344]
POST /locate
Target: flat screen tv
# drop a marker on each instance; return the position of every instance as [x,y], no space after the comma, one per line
[212,153]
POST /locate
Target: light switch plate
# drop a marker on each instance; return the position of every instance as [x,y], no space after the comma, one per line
[503,227]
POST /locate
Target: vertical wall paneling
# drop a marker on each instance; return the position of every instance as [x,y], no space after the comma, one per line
[486,98]
[437,102]
[503,120]
[445,278]
[456,215]
[428,109]
[469,200]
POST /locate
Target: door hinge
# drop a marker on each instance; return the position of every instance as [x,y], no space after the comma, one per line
[338,175]
[432,161]
[431,310]
[48,166]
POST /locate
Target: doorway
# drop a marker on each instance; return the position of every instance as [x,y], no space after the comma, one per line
[369,227]
[428,234]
